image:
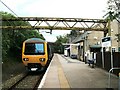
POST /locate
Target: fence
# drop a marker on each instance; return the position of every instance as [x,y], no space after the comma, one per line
[107,61]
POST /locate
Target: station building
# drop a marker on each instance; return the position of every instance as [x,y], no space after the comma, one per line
[91,41]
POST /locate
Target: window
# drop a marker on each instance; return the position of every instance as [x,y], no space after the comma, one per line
[34,49]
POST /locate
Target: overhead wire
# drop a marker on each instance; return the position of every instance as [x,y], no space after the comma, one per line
[8,8]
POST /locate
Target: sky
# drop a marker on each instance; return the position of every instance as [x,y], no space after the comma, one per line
[93,9]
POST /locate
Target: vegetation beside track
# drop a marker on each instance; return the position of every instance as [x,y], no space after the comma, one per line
[12,45]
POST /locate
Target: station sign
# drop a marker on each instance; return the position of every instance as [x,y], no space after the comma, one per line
[106,42]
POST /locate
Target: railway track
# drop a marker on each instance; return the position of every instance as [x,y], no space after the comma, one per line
[25,80]
[29,81]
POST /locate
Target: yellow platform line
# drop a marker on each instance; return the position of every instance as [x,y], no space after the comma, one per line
[62,79]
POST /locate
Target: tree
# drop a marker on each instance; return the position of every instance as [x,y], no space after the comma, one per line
[59,48]
[114,9]
[12,39]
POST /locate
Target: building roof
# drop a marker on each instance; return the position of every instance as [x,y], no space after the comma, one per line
[80,38]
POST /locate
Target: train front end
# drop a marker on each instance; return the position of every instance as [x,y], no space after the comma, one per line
[34,55]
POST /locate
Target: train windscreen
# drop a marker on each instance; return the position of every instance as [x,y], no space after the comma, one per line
[34,49]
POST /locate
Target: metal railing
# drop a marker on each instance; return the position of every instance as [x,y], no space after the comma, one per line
[109,79]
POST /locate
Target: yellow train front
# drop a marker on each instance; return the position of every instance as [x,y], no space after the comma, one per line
[36,54]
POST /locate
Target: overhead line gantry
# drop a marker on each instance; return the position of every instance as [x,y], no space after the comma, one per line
[59,23]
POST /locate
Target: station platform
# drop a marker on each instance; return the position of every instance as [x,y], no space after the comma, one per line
[64,72]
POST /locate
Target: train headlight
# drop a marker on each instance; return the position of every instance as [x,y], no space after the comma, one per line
[25,59]
[42,59]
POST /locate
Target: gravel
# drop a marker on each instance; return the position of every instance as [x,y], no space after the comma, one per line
[10,82]
[11,72]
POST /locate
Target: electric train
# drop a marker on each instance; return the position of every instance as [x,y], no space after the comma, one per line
[36,54]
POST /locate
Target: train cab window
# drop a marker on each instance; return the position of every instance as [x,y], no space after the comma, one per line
[34,49]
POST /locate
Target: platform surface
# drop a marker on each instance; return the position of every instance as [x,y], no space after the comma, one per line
[65,72]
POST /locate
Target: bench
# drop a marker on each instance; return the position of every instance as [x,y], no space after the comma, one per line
[91,62]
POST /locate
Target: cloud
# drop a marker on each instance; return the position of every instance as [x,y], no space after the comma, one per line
[58,8]
[49,38]
[52,37]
